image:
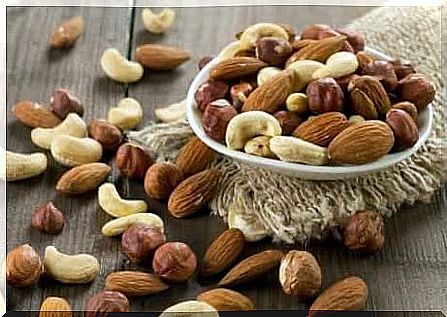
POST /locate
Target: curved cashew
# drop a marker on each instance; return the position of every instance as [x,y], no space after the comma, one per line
[259,146]
[256,31]
[245,126]
[114,205]
[252,231]
[72,125]
[117,67]
[173,112]
[337,65]
[127,115]
[266,73]
[190,308]
[305,69]
[70,269]
[71,151]
[21,166]
[291,149]
[158,23]
[230,50]
[119,225]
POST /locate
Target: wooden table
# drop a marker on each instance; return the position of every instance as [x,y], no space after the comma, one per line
[406,275]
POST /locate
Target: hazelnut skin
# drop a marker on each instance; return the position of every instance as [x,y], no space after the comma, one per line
[288,121]
[239,94]
[216,117]
[404,128]
[106,302]
[273,50]
[210,91]
[317,32]
[384,72]
[324,95]
[48,218]
[204,61]
[356,39]
[175,262]
[105,133]
[161,179]
[132,161]
[408,107]
[23,266]
[365,232]
[139,241]
[402,68]
[63,102]
[417,89]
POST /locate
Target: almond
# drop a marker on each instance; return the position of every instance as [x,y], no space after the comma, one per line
[160,57]
[83,178]
[361,143]
[35,115]
[134,283]
[236,67]
[251,268]
[193,193]
[223,299]
[55,307]
[223,251]
[67,33]
[194,157]
[347,294]
[271,95]
[322,129]
[319,50]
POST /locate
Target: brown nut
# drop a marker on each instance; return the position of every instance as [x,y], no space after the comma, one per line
[105,133]
[273,50]
[317,32]
[106,302]
[161,179]
[384,72]
[365,232]
[404,128]
[160,57]
[63,102]
[210,91]
[204,61]
[324,95]
[356,39]
[175,262]
[245,53]
[23,266]
[364,59]
[344,81]
[132,160]
[67,33]
[239,94]
[139,241]
[288,121]
[48,218]
[216,117]
[55,307]
[418,89]
[35,115]
[402,68]
[408,107]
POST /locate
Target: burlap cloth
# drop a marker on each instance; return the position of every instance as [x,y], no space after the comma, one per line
[295,210]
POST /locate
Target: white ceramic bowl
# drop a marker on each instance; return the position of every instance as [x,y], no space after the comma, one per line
[425,122]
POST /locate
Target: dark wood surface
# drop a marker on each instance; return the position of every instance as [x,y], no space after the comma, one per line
[409,274]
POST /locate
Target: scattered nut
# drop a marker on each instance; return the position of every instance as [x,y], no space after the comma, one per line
[108,135]
[63,102]
[112,203]
[135,283]
[23,266]
[216,117]
[408,107]
[405,130]
[71,151]
[127,115]
[265,74]
[132,160]
[161,180]
[67,33]
[288,121]
[22,166]
[253,33]
[190,308]
[106,302]
[239,94]
[297,103]
[253,231]
[83,178]
[118,68]
[139,241]
[35,115]
[291,149]
[210,91]
[365,231]
[158,23]
[55,306]
[48,218]
[259,146]
[119,225]
[175,262]
[173,112]
[160,57]
[384,72]
[418,89]
[273,50]
[324,95]
[224,299]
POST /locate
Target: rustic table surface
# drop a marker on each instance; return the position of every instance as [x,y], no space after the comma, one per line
[409,274]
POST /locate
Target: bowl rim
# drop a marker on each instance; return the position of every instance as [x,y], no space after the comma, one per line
[295,168]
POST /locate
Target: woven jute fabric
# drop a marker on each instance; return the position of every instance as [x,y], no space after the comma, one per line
[294,210]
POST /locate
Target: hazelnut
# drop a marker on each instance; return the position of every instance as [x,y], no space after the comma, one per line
[384,72]
[204,61]
[161,179]
[317,32]
[300,274]
[402,68]
[324,95]
[365,231]
[356,39]
[174,262]
[105,133]
[216,117]
[239,94]
[404,128]
[273,50]
[417,89]
[408,107]
[106,302]
[48,218]
[288,121]
[210,91]
[139,241]
[63,102]
[23,266]
[132,160]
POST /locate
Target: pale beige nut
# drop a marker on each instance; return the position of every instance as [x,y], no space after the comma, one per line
[297,102]
[338,65]
[356,118]
[119,225]
[22,166]
[229,51]
[259,146]
[118,68]
[158,23]
[291,149]
[71,151]
[304,69]
[266,73]
[253,231]
[112,203]
[70,269]
[191,308]
[55,307]
[253,33]
[127,115]
[173,112]
[72,125]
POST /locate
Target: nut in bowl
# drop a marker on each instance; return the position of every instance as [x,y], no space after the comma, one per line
[336,85]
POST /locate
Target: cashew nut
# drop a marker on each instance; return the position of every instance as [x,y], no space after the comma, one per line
[158,23]
[117,67]
[259,146]
[245,126]
[230,50]
[338,65]
[190,308]
[297,102]
[256,31]
[119,225]
[21,166]
[173,112]
[71,151]
[114,205]
[127,115]
[304,69]
[70,269]
[266,74]
[291,149]
[72,125]
[253,231]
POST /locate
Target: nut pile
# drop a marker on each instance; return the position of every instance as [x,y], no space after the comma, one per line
[319,100]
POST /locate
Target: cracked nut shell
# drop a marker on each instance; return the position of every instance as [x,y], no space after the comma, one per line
[139,241]
[48,218]
[365,232]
